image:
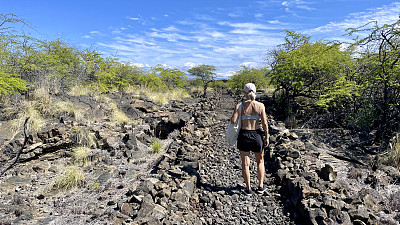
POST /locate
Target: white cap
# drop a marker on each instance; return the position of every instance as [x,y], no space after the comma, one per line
[249,87]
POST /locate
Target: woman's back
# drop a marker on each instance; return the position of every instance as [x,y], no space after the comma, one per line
[251,113]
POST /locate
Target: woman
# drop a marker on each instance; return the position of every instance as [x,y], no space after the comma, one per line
[251,137]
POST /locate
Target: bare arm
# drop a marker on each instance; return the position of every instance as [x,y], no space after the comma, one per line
[264,122]
[235,114]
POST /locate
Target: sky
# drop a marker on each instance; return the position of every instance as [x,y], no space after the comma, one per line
[227,34]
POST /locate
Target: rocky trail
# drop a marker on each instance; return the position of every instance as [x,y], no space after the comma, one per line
[313,176]
[221,182]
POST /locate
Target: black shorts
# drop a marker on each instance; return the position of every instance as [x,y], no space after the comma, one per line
[250,140]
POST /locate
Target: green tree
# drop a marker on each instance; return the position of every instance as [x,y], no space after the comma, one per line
[206,73]
[10,39]
[248,75]
[172,78]
[10,84]
[306,69]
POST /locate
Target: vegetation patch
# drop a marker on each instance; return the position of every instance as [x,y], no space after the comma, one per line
[83,137]
[80,155]
[72,176]
[156,146]
[119,117]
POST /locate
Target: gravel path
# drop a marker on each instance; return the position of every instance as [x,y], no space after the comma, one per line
[221,182]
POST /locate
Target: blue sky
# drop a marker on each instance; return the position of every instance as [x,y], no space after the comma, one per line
[183,33]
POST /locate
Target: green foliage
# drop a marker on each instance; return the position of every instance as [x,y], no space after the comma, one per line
[219,85]
[248,75]
[156,146]
[362,118]
[10,84]
[206,73]
[151,81]
[171,78]
[308,69]
[378,69]
[96,185]
[338,94]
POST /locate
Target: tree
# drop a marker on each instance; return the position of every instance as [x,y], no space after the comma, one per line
[205,73]
[301,68]
[172,78]
[10,84]
[248,75]
[378,72]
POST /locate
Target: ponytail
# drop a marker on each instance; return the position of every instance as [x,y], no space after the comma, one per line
[252,95]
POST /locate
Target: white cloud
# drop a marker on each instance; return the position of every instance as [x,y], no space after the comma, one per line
[386,14]
[249,64]
[299,4]
[134,18]
[247,25]
[226,75]
[274,21]
[190,64]
[86,36]
[140,65]
[171,28]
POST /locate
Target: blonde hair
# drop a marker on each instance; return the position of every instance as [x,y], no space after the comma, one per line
[252,95]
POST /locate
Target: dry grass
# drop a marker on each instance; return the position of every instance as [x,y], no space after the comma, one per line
[68,108]
[80,155]
[36,121]
[83,137]
[80,90]
[42,100]
[395,150]
[119,117]
[159,96]
[196,91]
[72,176]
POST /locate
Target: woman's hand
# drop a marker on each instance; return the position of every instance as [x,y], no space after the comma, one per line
[266,142]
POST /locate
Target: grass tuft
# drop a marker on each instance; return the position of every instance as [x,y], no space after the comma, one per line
[80,90]
[71,177]
[68,108]
[119,117]
[80,155]
[161,97]
[395,151]
[36,121]
[156,146]
[83,137]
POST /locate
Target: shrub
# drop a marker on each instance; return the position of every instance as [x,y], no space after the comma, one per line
[10,83]
[80,155]
[156,146]
[71,177]
[68,108]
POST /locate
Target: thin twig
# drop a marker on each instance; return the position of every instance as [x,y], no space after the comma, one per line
[20,151]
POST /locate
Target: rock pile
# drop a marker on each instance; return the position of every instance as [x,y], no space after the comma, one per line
[196,179]
[323,188]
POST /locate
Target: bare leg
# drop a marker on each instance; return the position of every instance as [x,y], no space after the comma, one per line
[260,168]
[245,168]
